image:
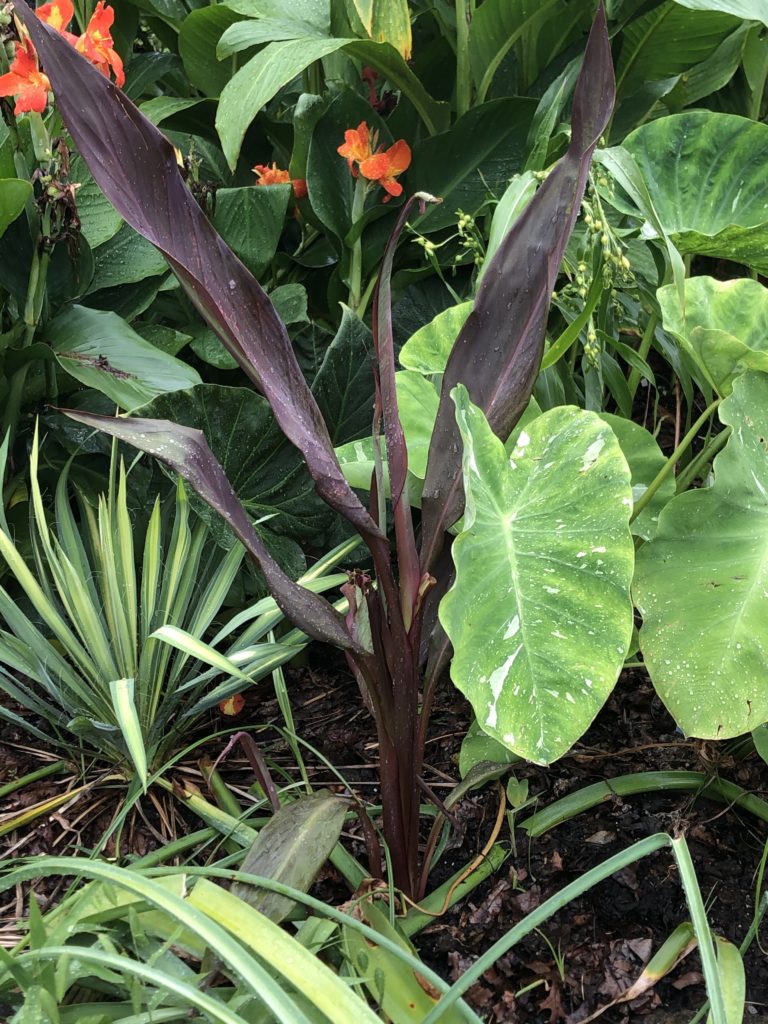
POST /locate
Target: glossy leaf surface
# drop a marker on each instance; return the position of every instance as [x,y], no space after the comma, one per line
[724,325]
[136,168]
[706,173]
[702,582]
[539,615]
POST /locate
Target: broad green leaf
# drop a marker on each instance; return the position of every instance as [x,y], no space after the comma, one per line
[478,747]
[387,21]
[159,108]
[417,399]
[267,472]
[290,301]
[124,707]
[539,615]
[706,173]
[14,193]
[479,154]
[313,12]
[711,74]
[701,583]
[325,990]
[730,967]
[667,41]
[724,325]
[645,459]
[102,351]
[274,67]
[344,387]
[125,258]
[750,10]
[198,38]
[251,220]
[498,25]
[258,31]
[428,349]
[404,996]
[291,848]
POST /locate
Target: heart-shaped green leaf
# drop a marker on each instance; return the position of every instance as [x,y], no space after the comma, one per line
[706,173]
[539,616]
[724,325]
[701,584]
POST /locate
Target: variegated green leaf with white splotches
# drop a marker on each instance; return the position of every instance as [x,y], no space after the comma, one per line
[539,615]
[702,583]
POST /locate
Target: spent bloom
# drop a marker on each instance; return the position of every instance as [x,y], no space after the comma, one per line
[381,165]
[274,175]
[26,81]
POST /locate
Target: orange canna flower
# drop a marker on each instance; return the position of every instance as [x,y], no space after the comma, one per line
[58,15]
[25,80]
[274,175]
[356,146]
[96,43]
[384,167]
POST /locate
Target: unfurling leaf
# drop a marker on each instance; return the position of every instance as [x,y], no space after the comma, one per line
[498,351]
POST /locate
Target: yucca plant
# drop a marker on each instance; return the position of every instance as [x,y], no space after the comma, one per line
[112,654]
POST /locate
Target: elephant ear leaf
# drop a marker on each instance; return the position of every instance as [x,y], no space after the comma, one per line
[135,167]
[498,351]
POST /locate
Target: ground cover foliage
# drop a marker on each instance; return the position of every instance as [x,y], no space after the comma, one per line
[423,337]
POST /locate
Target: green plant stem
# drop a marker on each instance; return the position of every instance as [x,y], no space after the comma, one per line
[749,938]
[643,782]
[707,453]
[464,12]
[701,928]
[432,905]
[645,347]
[27,780]
[671,462]
[174,849]
[356,252]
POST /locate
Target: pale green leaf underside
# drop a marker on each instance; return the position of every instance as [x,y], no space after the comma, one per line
[724,326]
[702,584]
[539,615]
[706,173]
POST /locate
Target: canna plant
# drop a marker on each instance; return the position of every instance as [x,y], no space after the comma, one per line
[395,632]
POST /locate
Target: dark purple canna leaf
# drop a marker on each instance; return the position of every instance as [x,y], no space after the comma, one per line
[135,167]
[186,451]
[498,351]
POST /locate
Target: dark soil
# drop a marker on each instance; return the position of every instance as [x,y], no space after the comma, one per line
[604,939]
[601,941]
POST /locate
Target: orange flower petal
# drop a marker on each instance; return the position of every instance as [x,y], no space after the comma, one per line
[399,156]
[97,45]
[273,175]
[299,188]
[57,14]
[375,167]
